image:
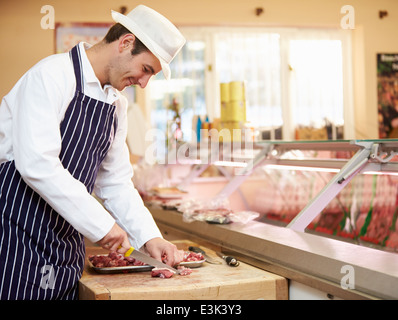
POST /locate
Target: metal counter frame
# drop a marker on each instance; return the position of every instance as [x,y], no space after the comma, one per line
[309,259]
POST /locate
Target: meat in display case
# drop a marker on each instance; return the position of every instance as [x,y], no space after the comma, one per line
[347,190]
[343,189]
[322,207]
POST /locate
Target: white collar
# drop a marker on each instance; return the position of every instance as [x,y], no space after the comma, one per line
[89,74]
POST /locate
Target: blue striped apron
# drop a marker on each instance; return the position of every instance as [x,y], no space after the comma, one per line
[41,254]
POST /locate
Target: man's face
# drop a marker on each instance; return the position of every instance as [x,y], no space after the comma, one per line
[127,69]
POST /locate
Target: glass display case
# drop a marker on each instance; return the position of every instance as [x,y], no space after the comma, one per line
[346,189]
[323,206]
[343,189]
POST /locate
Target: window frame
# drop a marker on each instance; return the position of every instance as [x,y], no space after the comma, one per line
[212,90]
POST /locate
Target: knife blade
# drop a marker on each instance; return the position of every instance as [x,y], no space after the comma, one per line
[132,252]
[207,258]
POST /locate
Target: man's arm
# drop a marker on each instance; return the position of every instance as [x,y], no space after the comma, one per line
[116,189]
[35,104]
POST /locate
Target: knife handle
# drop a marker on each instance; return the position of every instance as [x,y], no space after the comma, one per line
[128,252]
[196,249]
[231,261]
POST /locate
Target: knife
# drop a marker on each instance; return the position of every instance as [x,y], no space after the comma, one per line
[231,261]
[208,259]
[148,260]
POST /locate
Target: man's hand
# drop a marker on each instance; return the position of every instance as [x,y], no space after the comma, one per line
[158,247]
[114,239]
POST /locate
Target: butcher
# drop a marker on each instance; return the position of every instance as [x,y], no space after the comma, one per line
[62,141]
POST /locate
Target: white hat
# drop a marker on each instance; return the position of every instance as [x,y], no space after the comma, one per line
[157,33]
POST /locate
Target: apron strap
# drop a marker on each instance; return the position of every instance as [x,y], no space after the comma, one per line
[77,66]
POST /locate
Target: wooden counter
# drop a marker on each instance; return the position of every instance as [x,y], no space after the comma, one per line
[208,282]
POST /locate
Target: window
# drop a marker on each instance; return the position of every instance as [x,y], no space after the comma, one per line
[253,57]
[187,87]
[316,84]
[294,78]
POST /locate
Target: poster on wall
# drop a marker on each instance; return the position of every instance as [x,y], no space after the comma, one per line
[67,35]
[387,94]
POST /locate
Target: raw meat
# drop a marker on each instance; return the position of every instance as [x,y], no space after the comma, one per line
[192,256]
[113,259]
[184,271]
[166,273]
[162,273]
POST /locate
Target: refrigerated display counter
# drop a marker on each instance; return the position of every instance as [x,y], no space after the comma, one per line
[327,213]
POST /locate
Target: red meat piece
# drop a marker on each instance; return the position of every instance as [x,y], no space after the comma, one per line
[184,271]
[162,273]
[192,256]
[113,259]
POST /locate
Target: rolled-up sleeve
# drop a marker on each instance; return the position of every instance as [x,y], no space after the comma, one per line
[116,189]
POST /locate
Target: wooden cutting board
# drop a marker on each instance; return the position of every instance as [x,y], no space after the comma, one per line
[208,282]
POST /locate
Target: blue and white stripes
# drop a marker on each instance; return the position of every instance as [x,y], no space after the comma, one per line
[41,254]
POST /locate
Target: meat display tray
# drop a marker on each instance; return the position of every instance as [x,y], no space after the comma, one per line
[128,269]
[125,269]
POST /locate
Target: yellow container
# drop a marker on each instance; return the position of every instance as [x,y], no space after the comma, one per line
[237,91]
[236,111]
[224,111]
[224,92]
[233,103]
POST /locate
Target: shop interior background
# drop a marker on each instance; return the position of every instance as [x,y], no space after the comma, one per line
[25,42]
[208,26]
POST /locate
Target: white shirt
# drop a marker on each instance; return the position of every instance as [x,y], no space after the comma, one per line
[30,117]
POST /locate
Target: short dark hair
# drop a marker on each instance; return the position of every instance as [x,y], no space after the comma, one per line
[118,30]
